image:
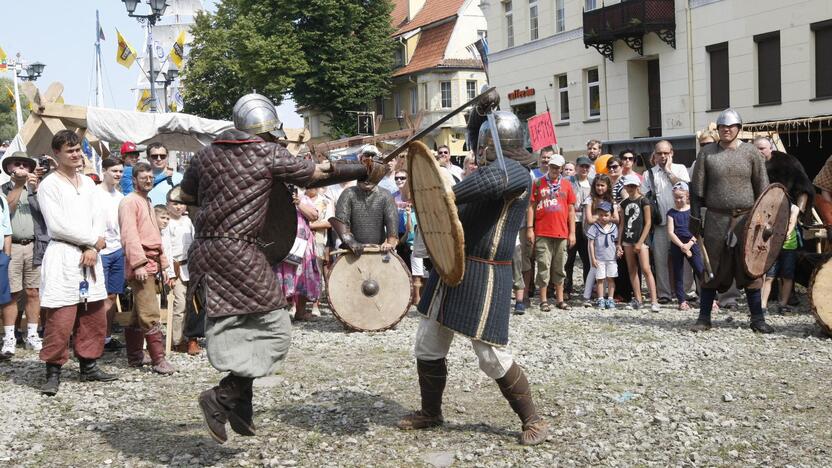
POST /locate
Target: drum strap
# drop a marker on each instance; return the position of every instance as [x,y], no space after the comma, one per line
[489,262]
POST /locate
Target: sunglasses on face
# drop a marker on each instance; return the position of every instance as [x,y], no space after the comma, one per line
[158,157]
[614,166]
[627,158]
[400,178]
[443,152]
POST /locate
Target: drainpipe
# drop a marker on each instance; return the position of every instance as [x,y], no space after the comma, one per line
[690,67]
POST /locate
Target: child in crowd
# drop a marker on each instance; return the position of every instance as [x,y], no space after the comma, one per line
[784,267]
[162,221]
[683,243]
[601,192]
[180,235]
[602,237]
[9,340]
[635,228]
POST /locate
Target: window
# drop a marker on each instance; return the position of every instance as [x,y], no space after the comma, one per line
[398,57]
[768,67]
[445,88]
[397,104]
[533,20]
[471,87]
[414,100]
[509,25]
[720,97]
[823,58]
[563,97]
[560,16]
[590,5]
[425,96]
[593,92]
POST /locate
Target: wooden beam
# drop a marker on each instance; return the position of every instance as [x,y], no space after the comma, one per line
[362,140]
[77,114]
[53,92]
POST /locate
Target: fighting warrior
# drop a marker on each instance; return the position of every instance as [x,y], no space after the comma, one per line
[367,213]
[235,181]
[728,178]
[491,204]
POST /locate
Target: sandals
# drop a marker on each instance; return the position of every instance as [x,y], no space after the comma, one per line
[684,306]
[545,307]
[564,306]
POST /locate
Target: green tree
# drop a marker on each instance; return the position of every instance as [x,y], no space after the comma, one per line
[246,45]
[8,120]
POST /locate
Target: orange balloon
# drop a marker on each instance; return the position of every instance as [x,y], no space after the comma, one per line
[601,163]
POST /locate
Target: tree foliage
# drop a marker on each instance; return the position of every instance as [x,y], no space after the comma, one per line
[8,120]
[331,55]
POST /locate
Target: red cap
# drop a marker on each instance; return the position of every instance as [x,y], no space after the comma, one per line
[128,147]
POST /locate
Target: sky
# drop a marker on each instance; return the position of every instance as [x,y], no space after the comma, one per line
[61,34]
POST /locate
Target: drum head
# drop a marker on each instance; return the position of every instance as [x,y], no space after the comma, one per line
[433,199]
[765,230]
[370,292]
[820,296]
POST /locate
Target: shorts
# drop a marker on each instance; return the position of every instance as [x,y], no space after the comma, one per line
[606,269]
[785,265]
[417,267]
[550,255]
[5,291]
[22,271]
[114,271]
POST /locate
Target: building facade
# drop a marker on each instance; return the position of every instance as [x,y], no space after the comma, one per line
[621,71]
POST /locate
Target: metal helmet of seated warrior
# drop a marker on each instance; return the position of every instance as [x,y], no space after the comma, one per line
[510,130]
[256,114]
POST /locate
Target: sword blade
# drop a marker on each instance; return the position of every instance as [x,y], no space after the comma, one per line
[434,126]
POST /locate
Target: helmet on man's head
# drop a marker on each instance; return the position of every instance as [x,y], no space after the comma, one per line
[512,140]
[256,114]
[729,117]
[370,151]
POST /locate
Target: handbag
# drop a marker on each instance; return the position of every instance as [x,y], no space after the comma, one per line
[656,216]
[295,256]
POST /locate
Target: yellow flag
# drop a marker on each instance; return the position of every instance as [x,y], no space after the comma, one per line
[125,54]
[177,52]
[144,101]
[3,64]
[10,93]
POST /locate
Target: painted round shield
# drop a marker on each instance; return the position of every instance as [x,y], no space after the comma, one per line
[765,230]
[370,292]
[433,199]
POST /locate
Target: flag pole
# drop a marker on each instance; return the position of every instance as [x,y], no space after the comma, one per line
[18,112]
[99,90]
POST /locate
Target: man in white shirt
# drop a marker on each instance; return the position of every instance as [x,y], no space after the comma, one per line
[72,286]
[665,174]
[112,255]
[443,156]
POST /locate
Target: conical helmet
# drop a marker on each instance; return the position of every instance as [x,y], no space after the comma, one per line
[729,117]
[255,114]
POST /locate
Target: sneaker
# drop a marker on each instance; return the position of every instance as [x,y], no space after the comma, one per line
[519,308]
[601,304]
[9,345]
[634,305]
[655,307]
[611,303]
[35,343]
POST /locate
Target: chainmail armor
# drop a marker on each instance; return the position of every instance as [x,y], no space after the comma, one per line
[371,216]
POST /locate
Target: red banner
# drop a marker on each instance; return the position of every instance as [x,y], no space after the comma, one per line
[542,131]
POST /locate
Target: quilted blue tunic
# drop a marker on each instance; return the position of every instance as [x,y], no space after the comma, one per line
[491,211]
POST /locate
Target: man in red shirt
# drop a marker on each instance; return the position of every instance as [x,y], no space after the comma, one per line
[551,228]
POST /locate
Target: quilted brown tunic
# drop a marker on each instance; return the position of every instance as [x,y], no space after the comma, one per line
[232,179]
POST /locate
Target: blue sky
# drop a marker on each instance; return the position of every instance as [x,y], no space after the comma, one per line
[61,34]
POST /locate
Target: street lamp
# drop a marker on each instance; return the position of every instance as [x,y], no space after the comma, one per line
[170,75]
[32,72]
[157,9]
[26,73]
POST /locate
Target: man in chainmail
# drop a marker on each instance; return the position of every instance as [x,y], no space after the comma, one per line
[367,213]
[728,178]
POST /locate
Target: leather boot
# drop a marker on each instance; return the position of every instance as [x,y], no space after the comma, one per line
[515,388]
[193,347]
[90,372]
[759,325]
[218,404]
[432,377]
[53,380]
[701,325]
[156,348]
[241,414]
[134,339]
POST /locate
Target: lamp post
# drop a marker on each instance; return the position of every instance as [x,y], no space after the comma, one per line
[157,9]
[26,73]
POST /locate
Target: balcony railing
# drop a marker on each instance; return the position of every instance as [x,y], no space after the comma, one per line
[629,21]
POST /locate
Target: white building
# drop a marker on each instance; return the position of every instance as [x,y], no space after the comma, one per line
[624,70]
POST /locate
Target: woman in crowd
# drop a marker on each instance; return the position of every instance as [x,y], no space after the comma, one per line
[628,162]
[407,218]
[614,171]
[470,165]
[601,192]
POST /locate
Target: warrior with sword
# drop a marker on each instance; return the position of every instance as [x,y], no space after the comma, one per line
[243,220]
[491,204]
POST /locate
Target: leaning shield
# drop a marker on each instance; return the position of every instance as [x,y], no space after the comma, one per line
[280,226]
[765,230]
[433,199]
[370,292]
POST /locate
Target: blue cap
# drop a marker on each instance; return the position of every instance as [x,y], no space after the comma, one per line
[631,179]
[605,206]
[681,185]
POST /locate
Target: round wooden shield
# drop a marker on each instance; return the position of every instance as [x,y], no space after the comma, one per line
[436,214]
[765,230]
[820,296]
[370,292]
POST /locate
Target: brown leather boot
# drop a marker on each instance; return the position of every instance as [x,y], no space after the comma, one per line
[134,339]
[156,348]
[230,401]
[432,377]
[193,347]
[515,388]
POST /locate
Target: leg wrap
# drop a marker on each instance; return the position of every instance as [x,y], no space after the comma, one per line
[432,377]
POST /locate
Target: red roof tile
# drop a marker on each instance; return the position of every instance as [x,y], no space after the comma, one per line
[431,12]
[430,51]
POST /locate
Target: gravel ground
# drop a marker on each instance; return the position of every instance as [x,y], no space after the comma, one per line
[620,388]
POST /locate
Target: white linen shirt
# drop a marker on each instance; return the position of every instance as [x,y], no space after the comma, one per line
[664,188]
[76,218]
[109,203]
[180,232]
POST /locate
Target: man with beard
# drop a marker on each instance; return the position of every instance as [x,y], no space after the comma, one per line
[491,202]
[728,178]
[237,182]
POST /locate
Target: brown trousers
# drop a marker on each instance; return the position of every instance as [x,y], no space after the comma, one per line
[88,324]
[145,314]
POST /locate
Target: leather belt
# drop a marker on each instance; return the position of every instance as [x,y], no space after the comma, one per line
[735,212]
[489,262]
[22,241]
[239,237]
